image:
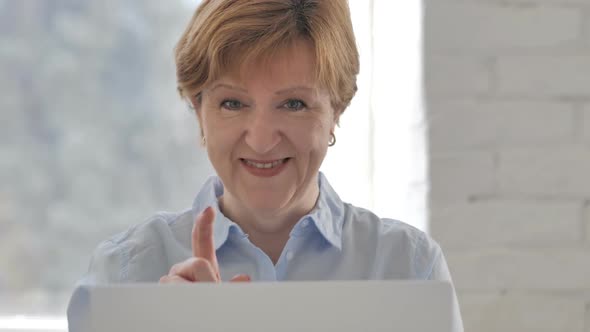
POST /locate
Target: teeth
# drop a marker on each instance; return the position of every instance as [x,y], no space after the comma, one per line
[264,165]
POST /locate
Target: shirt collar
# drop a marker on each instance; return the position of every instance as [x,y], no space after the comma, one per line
[327,215]
[208,196]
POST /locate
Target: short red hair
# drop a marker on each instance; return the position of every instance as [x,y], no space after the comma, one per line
[223,34]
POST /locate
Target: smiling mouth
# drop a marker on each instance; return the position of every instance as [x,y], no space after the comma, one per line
[264,164]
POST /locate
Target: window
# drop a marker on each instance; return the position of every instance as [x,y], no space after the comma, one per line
[379,160]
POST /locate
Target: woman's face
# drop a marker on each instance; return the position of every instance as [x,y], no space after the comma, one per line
[267,131]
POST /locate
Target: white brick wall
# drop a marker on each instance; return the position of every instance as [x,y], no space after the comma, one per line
[459,175]
[457,76]
[544,76]
[537,269]
[499,28]
[586,123]
[586,217]
[489,125]
[507,222]
[555,171]
[522,312]
[508,97]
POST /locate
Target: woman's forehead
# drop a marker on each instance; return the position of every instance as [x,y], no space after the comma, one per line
[284,69]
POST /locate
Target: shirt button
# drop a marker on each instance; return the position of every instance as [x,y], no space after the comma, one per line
[289,255]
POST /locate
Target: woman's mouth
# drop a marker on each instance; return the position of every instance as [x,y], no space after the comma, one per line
[267,164]
[264,168]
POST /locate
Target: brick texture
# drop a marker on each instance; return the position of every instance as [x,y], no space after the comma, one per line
[456,176]
[586,123]
[457,76]
[544,76]
[498,28]
[498,124]
[554,171]
[521,269]
[507,222]
[508,110]
[522,312]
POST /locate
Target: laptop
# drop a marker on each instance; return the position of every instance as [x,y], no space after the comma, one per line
[343,306]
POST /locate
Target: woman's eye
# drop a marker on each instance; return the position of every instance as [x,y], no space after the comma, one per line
[294,104]
[231,104]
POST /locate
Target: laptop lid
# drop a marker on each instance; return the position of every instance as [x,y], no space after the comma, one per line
[409,306]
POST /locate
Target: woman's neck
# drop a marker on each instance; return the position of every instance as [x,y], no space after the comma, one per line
[268,230]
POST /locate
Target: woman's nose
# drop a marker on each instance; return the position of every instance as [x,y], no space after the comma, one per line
[262,133]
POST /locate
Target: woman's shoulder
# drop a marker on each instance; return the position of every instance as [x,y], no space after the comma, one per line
[361,218]
[141,252]
[395,240]
[153,228]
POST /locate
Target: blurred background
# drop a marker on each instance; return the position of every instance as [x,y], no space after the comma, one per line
[472,122]
[94,138]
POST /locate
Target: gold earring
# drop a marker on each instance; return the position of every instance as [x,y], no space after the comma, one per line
[203,140]
[332,140]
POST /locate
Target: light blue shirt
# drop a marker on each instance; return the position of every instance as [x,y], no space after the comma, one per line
[335,241]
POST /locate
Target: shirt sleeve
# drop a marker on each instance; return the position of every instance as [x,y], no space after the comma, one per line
[107,265]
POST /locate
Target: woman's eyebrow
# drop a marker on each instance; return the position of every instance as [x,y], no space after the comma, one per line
[280,92]
[228,86]
[289,90]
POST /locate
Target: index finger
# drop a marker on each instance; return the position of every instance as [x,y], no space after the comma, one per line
[202,237]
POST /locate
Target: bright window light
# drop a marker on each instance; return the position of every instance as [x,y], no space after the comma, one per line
[32,323]
[379,159]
